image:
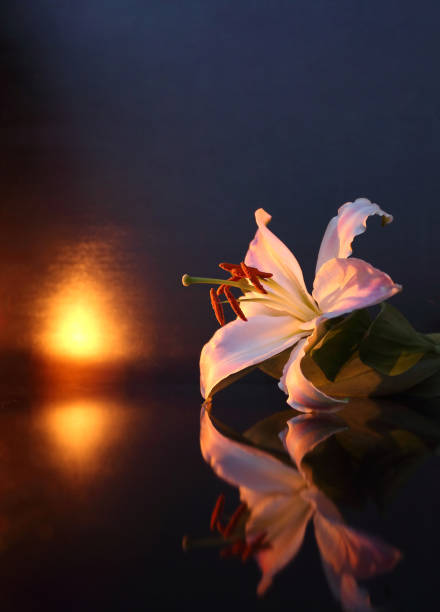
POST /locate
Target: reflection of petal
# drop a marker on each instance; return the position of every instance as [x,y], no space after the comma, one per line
[306,431]
[343,285]
[347,554]
[342,229]
[267,253]
[241,344]
[345,589]
[303,395]
[245,466]
[284,519]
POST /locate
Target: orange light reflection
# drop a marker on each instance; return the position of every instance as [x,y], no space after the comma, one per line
[81,431]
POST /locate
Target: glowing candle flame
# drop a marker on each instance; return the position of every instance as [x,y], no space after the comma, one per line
[86,309]
[80,326]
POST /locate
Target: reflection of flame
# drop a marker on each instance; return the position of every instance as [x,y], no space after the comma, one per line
[80,431]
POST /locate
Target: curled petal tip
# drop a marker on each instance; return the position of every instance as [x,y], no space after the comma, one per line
[262,217]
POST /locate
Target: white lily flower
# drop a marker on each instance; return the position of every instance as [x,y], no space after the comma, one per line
[277,312]
[281,502]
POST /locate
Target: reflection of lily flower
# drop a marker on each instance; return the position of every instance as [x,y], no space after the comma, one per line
[277,312]
[281,503]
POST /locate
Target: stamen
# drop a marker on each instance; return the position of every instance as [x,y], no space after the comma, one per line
[216,513]
[217,307]
[234,520]
[228,266]
[221,289]
[252,274]
[234,304]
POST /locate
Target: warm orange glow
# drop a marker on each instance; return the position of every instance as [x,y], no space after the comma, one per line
[80,326]
[80,431]
[85,312]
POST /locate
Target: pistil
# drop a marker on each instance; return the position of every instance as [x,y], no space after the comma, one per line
[188,280]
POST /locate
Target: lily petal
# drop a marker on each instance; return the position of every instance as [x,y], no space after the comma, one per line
[284,519]
[241,344]
[348,554]
[245,466]
[302,394]
[348,550]
[350,221]
[306,431]
[344,285]
[269,254]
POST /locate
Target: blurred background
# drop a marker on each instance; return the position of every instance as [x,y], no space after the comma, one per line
[137,138]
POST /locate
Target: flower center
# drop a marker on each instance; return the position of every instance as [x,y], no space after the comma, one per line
[241,276]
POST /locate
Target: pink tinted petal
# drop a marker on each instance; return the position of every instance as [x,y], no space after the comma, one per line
[343,285]
[241,344]
[285,531]
[267,253]
[342,229]
[244,466]
[349,551]
[306,431]
[302,394]
[345,589]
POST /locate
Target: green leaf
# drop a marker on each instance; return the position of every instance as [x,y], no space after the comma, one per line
[340,343]
[356,379]
[392,346]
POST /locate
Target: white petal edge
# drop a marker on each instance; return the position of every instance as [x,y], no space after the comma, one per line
[241,344]
[269,254]
[344,285]
[302,394]
[244,466]
[350,221]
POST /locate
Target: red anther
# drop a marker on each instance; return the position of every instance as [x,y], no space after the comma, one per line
[256,283]
[252,274]
[234,304]
[217,307]
[228,266]
[216,513]
[234,520]
[238,547]
[246,271]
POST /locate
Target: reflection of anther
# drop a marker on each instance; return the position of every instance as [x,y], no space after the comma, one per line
[234,520]
[253,547]
[216,513]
